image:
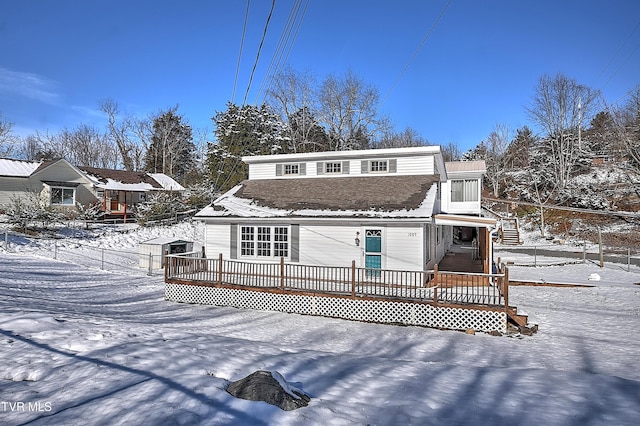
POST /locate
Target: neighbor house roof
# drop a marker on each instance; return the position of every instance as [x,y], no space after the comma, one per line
[21,168]
[123,180]
[376,196]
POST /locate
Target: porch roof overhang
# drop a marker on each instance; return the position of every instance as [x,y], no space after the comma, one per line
[469,221]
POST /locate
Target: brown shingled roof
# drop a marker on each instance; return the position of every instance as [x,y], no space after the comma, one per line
[123,176]
[379,193]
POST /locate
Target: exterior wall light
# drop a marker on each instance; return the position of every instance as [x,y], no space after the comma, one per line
[357,238]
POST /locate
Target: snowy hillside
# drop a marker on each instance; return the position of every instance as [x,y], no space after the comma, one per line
[85,344]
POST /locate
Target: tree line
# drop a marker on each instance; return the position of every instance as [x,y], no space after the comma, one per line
[301,113]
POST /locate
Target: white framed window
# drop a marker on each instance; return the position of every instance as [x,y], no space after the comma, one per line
[464,190]
[63,196]
[264,241]
[247,241]
[378,166]
[333,167]
[291,169]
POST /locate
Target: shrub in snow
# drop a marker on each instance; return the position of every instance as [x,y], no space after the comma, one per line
[160,207]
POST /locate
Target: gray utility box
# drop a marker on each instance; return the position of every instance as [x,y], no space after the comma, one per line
[155,250]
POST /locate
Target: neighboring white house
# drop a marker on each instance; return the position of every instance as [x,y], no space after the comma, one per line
[60,184]
[384,208]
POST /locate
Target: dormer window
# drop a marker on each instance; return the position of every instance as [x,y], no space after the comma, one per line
[333,167]
[378,166]
[291,169]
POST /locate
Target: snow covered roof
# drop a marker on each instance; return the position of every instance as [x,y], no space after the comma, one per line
[166,182]
[18,168]
[377,197]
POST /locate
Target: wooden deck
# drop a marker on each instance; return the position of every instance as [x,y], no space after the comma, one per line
[460,258]
[469,289]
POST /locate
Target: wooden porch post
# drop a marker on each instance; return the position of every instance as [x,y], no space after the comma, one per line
[166,267]
[282,273]
[353,278]
[220,269]
[505,286]
[435,283]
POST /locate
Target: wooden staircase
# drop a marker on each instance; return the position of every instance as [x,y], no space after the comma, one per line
[510,234]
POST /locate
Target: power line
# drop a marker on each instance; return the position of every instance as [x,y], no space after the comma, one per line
[255,64]
[282,51]
[244,31]
[413,57]
[616,54]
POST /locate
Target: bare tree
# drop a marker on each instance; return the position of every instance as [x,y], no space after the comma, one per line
[6,138]
[408,137]
[561,106]
[118,131]
[450,152]
[496,145]
[348,107]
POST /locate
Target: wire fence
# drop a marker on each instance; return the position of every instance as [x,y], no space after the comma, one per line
[553,254]
[128,261]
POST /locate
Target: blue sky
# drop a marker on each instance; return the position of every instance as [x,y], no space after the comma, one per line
[478,68]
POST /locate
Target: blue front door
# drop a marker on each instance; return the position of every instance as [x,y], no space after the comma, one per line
[373,251]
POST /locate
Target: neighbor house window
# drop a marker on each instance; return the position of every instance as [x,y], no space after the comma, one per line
[291,169]
[63,196]
[378,166]
[333,167]
[464,190]
[264,241]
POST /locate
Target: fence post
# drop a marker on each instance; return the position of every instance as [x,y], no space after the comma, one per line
[6,239]
[220,269]
[435,283]
[281,272]
[166,268]
[584,252]
[535,255]
[505,285]
[55,250]
[150,264]
[102,260]
[353,278]
[628,259]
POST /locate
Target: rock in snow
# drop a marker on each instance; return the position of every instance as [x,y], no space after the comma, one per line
[269,387]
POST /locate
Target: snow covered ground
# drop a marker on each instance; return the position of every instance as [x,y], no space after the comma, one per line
[87,338]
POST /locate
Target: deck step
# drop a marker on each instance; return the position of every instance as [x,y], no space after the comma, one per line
[521,321]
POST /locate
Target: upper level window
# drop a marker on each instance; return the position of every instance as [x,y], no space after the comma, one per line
[291,169]
[464,190]
[378,166]
[63,196]
[333,167]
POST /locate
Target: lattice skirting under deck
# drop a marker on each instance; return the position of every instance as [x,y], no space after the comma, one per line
[379,311]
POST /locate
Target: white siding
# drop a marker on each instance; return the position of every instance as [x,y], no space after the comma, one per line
[262,171]
[330,245]
[404,248]
[414,165]
[422,165]
[217,240]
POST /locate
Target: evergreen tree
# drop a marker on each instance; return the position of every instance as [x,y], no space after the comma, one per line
[171,149]
[241,131]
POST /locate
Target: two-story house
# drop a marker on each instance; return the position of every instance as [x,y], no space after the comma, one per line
[384,208]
